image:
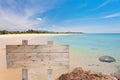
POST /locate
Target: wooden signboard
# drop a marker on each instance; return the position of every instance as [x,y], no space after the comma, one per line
[35,56]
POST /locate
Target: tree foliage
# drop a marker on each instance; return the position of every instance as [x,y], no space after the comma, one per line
[31,31]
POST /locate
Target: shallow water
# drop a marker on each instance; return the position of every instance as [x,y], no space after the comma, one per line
[93,44]
[101,44]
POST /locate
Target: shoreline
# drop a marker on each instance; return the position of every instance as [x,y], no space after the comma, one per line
[33,34]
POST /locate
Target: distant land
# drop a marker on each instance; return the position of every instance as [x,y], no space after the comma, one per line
[31,31]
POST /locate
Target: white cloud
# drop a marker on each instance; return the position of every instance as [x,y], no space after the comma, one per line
[113,15]
[39,19]
[106,2]
[17,15]
[12,21]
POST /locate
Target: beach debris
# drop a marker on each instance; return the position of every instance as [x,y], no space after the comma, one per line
[80,74]
[108,59]
[117,75]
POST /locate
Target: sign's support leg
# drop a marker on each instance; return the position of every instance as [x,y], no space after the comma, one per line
[24,74]
[49,74]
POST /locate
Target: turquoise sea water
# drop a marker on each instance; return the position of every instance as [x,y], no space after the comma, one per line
[100,44]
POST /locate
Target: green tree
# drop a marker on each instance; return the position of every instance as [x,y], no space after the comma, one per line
[4,32]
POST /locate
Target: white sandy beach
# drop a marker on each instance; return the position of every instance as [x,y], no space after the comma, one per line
[15,74]
[88,62]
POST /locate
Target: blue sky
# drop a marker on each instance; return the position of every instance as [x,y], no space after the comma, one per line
[61,15]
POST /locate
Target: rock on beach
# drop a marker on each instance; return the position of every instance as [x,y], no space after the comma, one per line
[80,74]
[117,75]
[108,59]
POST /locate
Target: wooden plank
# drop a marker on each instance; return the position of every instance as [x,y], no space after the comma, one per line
[37,48]
[37,56]
[37,60]
[27,64]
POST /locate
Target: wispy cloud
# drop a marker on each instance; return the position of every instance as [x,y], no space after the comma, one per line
[20,14]
[39,19]
[106,2]
[112,15]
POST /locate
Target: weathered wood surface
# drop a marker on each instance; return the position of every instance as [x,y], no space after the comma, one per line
[24,74]
[33,56]
[37,48]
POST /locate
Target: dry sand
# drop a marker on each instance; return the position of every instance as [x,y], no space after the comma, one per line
[15,74]
[88,62]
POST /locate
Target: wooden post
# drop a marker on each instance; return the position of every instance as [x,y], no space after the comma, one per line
[24,74]
[49,70]
[49,74]
[50,42]
[24,71]
[24,42]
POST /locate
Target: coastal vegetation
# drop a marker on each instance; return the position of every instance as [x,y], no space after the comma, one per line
[31,31]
